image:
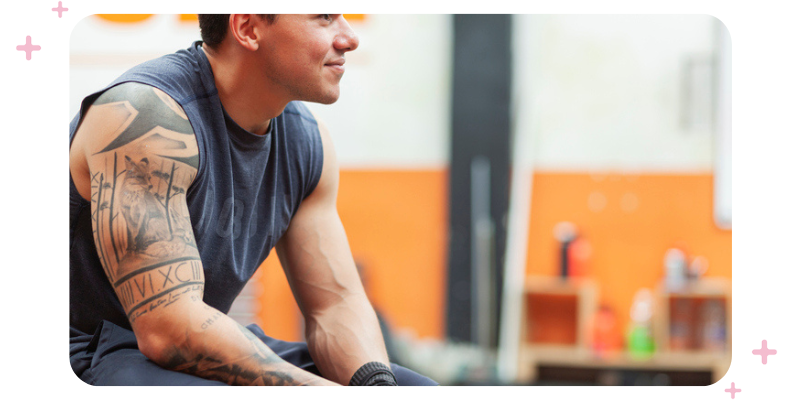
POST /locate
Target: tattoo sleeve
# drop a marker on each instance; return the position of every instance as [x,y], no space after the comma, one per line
[140,173]
[142,157]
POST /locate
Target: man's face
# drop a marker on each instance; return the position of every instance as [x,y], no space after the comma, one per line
[304,55]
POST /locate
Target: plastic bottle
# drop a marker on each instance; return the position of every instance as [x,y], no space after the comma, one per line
[640,334]
[697,268]
[565,233]
[579,254]
[606,338]
[674,270]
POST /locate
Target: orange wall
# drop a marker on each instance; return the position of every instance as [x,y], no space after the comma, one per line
[396,223]
[278,313]
[628,244]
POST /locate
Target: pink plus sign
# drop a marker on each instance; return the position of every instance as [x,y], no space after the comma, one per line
[60,9]
[764,352]
[28,48]
[733,390]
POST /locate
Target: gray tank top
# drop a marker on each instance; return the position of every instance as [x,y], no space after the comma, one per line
[247,189]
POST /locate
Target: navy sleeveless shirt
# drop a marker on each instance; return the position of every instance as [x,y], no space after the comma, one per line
[245,193]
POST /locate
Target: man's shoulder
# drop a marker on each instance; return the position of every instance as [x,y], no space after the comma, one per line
[178,74]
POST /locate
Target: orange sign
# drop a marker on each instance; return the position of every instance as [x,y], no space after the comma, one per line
[124,18]
[136,18]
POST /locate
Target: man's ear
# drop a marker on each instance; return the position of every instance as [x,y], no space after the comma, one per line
[243,30]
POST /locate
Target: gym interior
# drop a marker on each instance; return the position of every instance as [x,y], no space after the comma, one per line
[531,199]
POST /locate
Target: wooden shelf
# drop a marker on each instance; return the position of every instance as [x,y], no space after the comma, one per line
[579,355]
[584,291]
[556,285]
[570,356]
[706,287]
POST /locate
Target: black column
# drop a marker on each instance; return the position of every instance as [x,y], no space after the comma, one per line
[479,154]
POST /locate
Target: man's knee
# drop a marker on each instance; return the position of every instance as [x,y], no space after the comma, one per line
[131,368]
[407,377]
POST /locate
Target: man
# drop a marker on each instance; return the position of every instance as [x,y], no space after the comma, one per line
[185,172]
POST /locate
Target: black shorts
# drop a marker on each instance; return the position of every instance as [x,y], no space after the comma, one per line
[111,357]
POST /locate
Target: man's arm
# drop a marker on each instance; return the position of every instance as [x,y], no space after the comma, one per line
[342,330]
[141,156]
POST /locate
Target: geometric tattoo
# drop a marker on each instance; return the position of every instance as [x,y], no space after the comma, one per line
[151,114]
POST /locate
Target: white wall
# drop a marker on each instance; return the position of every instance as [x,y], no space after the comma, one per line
[394,110]
[604,93]
[592,92]
[101,50]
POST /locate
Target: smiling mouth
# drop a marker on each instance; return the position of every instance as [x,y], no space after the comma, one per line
[336,67]
[337,63]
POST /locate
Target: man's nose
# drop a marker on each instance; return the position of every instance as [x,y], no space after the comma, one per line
[347,39]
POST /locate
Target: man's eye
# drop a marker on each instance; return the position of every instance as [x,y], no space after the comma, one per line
[326,17]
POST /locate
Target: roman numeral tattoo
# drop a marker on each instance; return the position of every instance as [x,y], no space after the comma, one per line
[140,178]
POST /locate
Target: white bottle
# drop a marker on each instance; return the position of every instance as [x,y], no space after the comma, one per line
[674,270]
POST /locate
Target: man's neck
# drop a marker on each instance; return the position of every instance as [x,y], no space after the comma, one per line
[244,93]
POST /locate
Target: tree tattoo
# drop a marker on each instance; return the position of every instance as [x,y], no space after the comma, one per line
[143,234]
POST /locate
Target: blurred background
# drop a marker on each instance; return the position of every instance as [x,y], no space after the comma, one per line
[531,199]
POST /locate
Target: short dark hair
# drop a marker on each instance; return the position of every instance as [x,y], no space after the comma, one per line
[214,27]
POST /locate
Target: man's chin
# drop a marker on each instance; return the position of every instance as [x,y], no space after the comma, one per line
[329,101]
[328,98]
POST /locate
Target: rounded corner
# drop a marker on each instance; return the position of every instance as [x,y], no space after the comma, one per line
[723,27]
[78,378]
[724,369]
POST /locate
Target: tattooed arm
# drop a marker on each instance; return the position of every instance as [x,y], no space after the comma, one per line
[134,156]
[342,329]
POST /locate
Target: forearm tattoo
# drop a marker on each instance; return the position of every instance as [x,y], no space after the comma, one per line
[139,181]
[249,371]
